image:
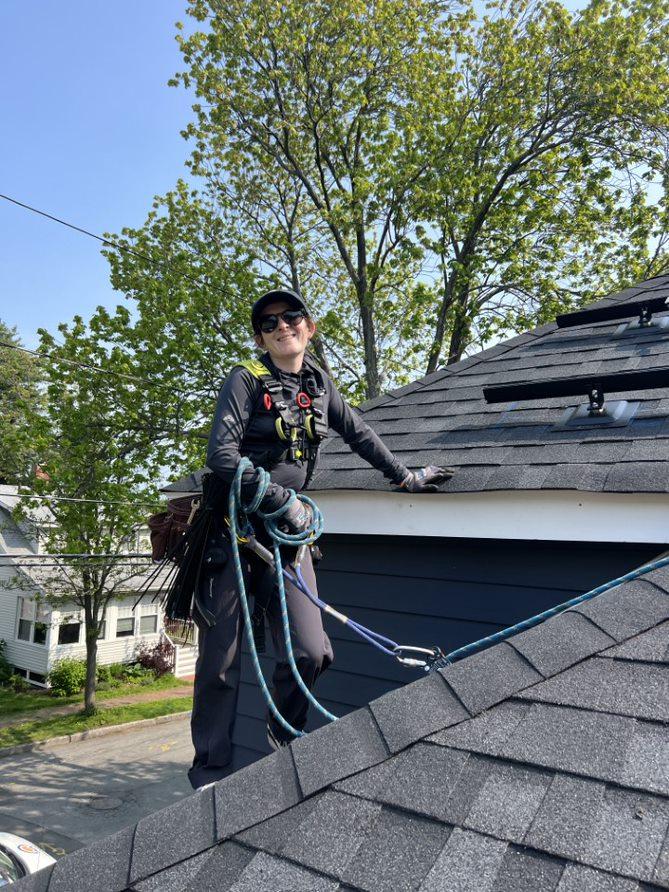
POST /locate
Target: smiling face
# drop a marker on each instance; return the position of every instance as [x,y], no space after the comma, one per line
[287,343]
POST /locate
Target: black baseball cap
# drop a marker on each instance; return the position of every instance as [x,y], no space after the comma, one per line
[291,297]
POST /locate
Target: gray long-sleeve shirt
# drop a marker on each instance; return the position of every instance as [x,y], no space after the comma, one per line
[243,426]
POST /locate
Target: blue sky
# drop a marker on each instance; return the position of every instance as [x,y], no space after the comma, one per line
[90,133]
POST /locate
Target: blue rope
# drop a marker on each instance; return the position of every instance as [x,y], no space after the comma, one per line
[547,614]
[236,507]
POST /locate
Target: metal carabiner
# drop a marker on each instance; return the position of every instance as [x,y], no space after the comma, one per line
[432,653]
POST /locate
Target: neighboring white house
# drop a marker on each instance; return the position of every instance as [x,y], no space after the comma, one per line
[36,635]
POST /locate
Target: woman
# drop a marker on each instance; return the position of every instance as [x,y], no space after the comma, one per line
[275,412]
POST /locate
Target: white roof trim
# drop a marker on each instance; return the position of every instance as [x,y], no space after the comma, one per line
[546,515]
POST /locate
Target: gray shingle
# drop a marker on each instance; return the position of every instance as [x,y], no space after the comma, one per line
[256,793]
[651,647]
[647,476]
[565,816]
[619,686]
[332,834]
[487,732]
[265,873]
[415,710]
[560,642]
[628,609]
[173,834]
[221,869]
[35,882]
[468,863]
[628,833]
[660,575]
[508,801]
[175,878]
[102,865]
[573,740]
[661,872]
[397,854]
[524,871]
[338,750]
[424,779]
[490,676]
[369,782]
[578,878]
[271,835]
[647,760]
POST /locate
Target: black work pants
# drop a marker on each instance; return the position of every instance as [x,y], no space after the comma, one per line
[218,666]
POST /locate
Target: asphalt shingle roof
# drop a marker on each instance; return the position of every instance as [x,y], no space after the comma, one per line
[443,419]
[541,764]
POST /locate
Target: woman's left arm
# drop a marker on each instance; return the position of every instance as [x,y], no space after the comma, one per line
[363,440]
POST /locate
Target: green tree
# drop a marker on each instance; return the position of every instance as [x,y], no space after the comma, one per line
[319,93]
[464,175]
[19,393]
[94,440]
[535,197]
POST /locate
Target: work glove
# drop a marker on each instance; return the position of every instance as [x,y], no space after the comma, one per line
[297,519]
[426,479]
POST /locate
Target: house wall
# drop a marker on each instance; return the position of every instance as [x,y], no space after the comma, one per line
[429,591]
[33,657]
[110,649]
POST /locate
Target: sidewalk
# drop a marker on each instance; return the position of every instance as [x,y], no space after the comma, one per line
[70,708]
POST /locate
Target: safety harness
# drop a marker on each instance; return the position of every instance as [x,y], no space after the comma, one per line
[301,424]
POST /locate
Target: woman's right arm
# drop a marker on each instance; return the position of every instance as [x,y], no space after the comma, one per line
[235,404]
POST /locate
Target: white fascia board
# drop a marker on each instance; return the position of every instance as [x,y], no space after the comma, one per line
[546,515]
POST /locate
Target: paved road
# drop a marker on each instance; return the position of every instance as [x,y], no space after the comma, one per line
[63,797]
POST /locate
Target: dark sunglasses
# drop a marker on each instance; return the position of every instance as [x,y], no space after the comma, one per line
[292,317]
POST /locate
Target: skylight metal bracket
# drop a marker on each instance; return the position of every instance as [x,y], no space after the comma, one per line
[617,413]
[644,323]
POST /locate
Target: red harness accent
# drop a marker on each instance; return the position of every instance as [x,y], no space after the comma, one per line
[268,401]
[303,400]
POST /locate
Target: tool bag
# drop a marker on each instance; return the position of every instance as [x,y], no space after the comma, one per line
[167,527]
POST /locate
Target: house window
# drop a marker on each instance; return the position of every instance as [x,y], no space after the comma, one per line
[125,626]
[148,625]
[68,633]
[32,622]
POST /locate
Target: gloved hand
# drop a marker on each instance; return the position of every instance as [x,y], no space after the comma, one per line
[426,479]
[297,518]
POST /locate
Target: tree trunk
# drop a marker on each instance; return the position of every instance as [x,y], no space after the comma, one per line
[440,330]
[91,631]
[461,327]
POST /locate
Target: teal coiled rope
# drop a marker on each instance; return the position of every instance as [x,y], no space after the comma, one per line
[236,507]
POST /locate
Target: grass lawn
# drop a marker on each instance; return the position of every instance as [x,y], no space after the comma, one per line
[33,731]
[11,703]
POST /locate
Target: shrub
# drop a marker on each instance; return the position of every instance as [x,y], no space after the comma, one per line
[118,670]
[18,684]
[157,658]
[67,677]
[103,675]
[6,670]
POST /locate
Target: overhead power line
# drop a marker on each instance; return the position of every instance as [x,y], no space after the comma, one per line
[50,498]
[93,368]
[119,247]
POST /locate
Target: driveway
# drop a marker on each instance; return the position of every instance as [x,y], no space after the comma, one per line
[64,796]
